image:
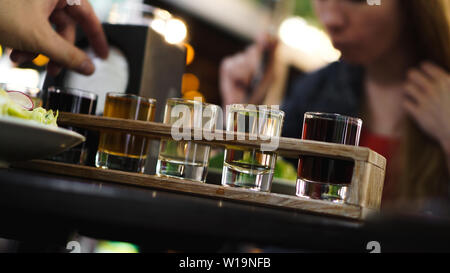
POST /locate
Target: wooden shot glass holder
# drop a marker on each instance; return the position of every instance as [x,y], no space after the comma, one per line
[365,191]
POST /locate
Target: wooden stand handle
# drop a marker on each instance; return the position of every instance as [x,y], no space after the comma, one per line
[287,146]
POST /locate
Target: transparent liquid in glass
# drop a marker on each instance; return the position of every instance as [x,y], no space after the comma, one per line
[251,169]
[183,159]
[186,159]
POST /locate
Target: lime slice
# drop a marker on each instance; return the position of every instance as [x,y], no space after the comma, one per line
[21,99]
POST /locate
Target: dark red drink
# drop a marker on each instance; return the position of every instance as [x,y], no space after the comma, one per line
[74,101]
[315,171]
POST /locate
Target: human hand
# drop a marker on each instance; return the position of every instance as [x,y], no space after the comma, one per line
[26,26]
[238,72]
[427,101]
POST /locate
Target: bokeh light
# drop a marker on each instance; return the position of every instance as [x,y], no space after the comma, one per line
[190,82]
[41,60]
[190,53]
[297,33]
[194,95]
[20,77]
[159,25]
[176,31]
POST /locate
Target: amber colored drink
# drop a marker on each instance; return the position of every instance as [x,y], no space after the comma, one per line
[125,151]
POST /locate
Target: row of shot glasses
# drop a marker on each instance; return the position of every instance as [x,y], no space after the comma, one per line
[181,158]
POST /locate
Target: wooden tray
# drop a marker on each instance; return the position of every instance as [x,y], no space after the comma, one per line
[365,189]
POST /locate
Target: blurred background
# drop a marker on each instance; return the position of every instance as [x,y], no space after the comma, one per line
[212,30]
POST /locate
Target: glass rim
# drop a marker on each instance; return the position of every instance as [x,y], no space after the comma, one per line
[132,96]
[266,109]
[73,91]
[334,116]
[191,101]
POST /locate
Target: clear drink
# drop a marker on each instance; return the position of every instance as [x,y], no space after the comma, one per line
[251,168]
[183,159]
[186,159]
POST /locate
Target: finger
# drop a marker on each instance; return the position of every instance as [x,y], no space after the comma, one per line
[65,25]
[253,54]
[265,41]
[260,40]
[434,72]
[238,70]
[53,69]
[20,57]
[54,46]
[61,4]
[263,44]
[414,93]
[85,16]
[229,86]
[412,109]
[421,80]
[232,93]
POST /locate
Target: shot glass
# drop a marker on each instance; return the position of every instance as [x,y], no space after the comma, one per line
[125,151]
[326,178]
[186,159]
[251,168]
[77,101]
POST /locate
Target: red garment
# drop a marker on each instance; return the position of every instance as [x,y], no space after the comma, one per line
[385,146]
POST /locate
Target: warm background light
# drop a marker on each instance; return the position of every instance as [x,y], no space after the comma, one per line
[190,88]
[190,82]
[299,34]
[176,31]
[20,77]
[190,53]
[159,25]
[194,95]
[41,60]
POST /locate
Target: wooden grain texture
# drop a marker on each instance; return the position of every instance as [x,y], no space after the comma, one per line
[365,189]
[287,146]
[366,186]
[207,190]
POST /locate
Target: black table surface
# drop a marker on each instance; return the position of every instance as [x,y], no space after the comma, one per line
[37,206]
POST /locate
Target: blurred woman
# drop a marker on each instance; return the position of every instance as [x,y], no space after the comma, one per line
[394,74]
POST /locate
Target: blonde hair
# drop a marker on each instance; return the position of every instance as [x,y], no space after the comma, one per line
[423,161]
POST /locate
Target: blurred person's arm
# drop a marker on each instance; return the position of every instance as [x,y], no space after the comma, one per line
[26,26]
[238,73]
[428,103]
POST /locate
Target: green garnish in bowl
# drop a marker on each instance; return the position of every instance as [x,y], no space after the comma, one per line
[10,107]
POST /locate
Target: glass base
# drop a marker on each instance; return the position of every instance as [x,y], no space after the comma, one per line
[252,180]
[122,163]
[336,193]
[182,170]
